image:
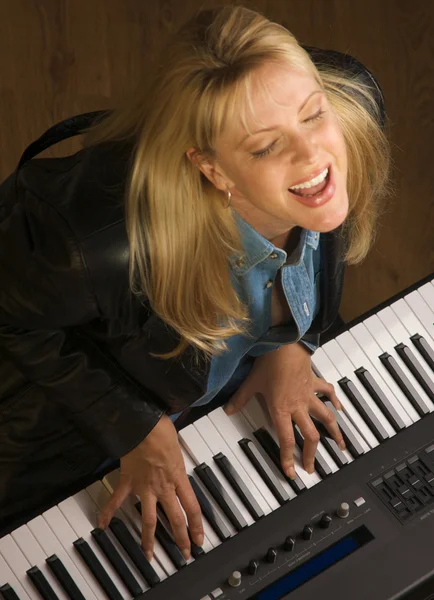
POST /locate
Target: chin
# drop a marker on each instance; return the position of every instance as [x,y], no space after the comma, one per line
[326,218]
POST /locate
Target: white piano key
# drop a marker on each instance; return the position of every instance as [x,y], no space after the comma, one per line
[359,358]
[400,334]
[424,312]
[427,292]
[343,365]
[100,495]
[215,442]
[326,369]
[18,564]
[111,481]
[370,347]
[82,527]
[31,549]
[223,423]
[51,545]
[199,452]
[8,576]
[209,531]
[387,343]
[259,416]
[66,536]
[411,321]
[91,508]
[246,430]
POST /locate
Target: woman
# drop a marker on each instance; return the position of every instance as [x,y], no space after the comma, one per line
[171,262]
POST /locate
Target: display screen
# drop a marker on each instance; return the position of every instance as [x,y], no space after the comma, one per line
[316,565]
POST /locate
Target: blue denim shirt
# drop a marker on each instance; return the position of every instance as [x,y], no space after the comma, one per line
[258,266]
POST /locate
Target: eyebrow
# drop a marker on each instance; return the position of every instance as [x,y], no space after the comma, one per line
[305,101]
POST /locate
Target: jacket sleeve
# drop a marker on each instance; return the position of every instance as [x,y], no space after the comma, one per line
[45,296]
[310,341]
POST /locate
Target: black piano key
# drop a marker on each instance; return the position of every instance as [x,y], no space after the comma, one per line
[8,592]
[134,551]
[424,349]
[414,366]
[319,463]
[353,445]
[196,550]
[166,540]
[264,470]
[239,486]
[209,513]
[330,444]
[98,571]
[41,584]
[217,491]
[380,398]
[59,571]
[402,380]
[267,442]
[118,563]
[364,409]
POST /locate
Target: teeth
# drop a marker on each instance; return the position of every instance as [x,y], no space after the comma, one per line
[312,182]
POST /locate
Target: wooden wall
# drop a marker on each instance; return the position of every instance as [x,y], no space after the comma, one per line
[62,57]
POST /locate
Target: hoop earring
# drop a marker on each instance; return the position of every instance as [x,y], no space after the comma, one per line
[229,199]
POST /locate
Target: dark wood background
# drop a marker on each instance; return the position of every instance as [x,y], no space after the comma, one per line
[63,57]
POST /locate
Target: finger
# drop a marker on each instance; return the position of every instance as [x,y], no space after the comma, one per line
[116,500]
[177,522]
[189,502]
[285,434]
[311,439]
[149,522]
[326,388]
[320,411]
[239,399]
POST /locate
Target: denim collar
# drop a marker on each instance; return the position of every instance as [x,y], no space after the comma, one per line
[257,248]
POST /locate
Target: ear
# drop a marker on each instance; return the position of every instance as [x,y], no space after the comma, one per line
[210,168]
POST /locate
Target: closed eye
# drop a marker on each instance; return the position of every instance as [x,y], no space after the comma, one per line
[268,149]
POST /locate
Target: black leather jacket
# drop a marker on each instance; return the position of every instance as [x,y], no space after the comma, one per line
[75,369]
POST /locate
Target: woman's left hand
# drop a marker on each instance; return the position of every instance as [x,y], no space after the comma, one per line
[285,379]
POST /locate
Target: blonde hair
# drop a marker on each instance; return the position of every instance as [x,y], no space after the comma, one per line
[180,234]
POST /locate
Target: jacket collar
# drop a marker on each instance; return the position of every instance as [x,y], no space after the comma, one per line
[257,248]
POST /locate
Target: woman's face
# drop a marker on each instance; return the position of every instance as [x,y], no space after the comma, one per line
[288,144]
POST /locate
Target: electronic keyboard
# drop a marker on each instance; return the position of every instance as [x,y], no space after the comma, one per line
[360,526]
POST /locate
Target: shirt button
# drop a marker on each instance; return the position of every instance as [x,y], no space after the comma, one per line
[269,284]
[306,310]
[274,255]
[315,237]
[240,261]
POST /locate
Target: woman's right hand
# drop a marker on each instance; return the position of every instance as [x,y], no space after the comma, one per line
[155,471]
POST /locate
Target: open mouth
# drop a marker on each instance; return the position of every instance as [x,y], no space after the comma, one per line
[306,193]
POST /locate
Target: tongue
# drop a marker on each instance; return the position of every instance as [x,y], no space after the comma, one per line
[311,191]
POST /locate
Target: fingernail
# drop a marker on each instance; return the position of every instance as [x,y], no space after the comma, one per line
[186,554]
[291,473]
[342,446]
[200,540]
[148,555]
[229,409]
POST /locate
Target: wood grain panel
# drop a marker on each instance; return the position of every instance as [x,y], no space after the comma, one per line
[63,57]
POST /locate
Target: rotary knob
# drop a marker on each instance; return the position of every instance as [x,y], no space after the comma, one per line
[289,544]
[325,521]
[271,555]
[307,532]
[253,567]
[344,510]
[235,579]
